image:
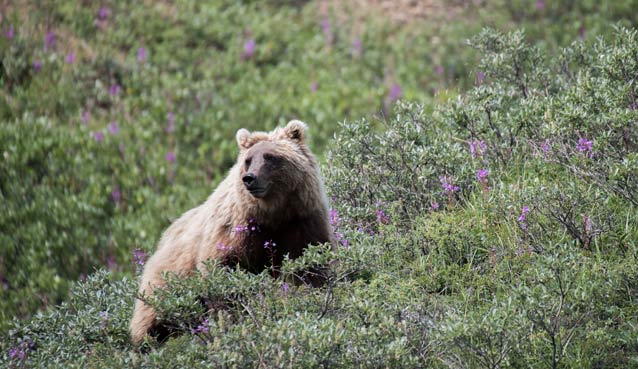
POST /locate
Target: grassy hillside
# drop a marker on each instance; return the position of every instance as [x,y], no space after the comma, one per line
[487,221]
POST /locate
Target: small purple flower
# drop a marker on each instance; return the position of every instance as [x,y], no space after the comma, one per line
[171,123]
[249,49]
[114,90]
[342,240]
[49,41]
[395,92]
[116,195]
[70,58]
[477,148]
[170,156]
[104,318]
[448,187]
[37,66]
[139,256]
[85,116]
[335,220]
[327,30]
[202,328]
[141,54]
[523,217]
[356,47]
[584,145]
[103,13]
[480,77]
[546,146]
[482,174]
[269,245]
[98,136]
[9,33]
[223,248]
[382,217]
[439,70]
[540,5]
[435,206]
[114,128]
[285,287]
[111,263]
[314,86]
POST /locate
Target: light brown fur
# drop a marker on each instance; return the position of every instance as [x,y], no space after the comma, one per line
[294,214]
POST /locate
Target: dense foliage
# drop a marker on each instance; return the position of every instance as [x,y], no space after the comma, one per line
[496,228]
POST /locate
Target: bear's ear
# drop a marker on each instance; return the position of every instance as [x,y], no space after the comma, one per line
[242,137]
[295,130]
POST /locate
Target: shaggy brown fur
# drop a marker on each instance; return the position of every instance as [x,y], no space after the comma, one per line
[274,187]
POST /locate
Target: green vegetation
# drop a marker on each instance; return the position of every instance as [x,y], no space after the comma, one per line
[488,220]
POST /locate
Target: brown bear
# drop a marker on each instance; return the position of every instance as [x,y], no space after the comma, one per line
[272,203]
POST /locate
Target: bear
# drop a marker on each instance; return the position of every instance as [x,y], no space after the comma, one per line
[271,204]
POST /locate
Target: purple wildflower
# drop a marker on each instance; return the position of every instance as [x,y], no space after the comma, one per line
[477,148]
[382,217]
[395,92]
[139,257]
[546,146]
[223,248]
[448,187]
[70,58]
[584,145]
[327,30]
[9,33]
[37,66]
[356,47]
[314,86]
[523,217]
[49,41]
[171,123]
[141,54]
[269,245]
[170,156]
[20,351]
[482,174]
[103,13]
[480,77]
[435,206]
[104,318]
[202,328]
[111,263]
[540,5]
[114,90]
[98,136]
[116,195]
[114,128]
[285,287]
[85,116]
[335,220]
[439,70]
[249,49]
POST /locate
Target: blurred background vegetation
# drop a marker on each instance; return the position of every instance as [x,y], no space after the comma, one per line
[116,117]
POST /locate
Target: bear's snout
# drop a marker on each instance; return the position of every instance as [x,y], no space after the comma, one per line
[254,186]
[249,180]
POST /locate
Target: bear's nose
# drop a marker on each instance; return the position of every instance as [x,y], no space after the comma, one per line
[249,179]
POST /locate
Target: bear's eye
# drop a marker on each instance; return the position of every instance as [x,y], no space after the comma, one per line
[272,159]
[247,162]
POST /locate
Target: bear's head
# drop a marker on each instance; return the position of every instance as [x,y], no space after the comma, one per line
[274,165]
